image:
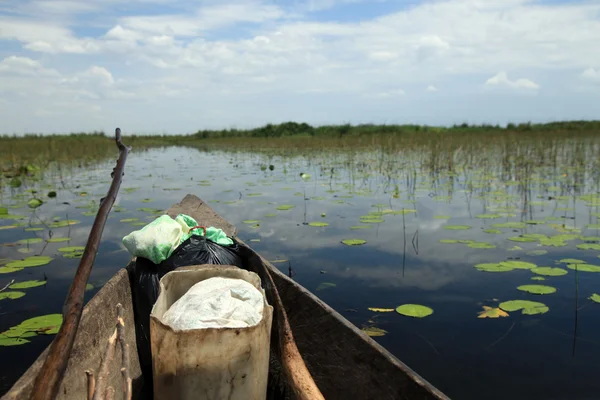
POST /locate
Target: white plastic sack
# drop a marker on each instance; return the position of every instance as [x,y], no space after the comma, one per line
[216,303]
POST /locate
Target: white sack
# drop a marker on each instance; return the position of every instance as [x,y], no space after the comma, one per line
[216,303]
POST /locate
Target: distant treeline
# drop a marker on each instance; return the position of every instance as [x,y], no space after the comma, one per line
[287,129]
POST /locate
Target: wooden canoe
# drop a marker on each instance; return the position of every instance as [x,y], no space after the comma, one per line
[344,362]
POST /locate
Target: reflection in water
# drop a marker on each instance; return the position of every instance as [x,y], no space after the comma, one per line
[401,200]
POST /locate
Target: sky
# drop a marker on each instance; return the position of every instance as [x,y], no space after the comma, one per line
[178,66]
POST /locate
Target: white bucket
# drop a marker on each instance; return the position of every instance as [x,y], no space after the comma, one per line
[208,363]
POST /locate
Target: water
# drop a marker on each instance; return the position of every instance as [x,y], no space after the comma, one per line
[403,260]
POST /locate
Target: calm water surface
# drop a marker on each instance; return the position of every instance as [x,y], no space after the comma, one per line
[403,261]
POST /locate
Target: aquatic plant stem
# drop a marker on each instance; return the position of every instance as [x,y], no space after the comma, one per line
[7,285]
[48,381]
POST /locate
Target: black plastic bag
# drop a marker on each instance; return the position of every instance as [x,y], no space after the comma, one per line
[146,276]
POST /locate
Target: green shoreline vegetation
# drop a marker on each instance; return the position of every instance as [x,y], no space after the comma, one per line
[24,155]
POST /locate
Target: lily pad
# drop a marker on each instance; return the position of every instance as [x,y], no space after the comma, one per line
[27,284]
[373,331]
[457,227]
[353,242]
[493,231]
[30,241]
[318,224]
[325,285]
[571,261]
[8,270]
[9,341]
[521,239]
[537,289]
[528,307]
[450,241]
[33,261]
[12,295]
[58,240]
[72,249]
[538,278]
[549,271]
[285,207]
[595,298]
[129,220]
[355,227]
[481,245]
[488,216]
[584,267]
[518,264]
[510,225]
[34,203]
[62,224]
[493,267]
[414,310]
[588,246]
[44,324]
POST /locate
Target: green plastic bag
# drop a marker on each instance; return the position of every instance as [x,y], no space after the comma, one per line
[157,240]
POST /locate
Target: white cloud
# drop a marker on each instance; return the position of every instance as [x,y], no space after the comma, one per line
[591,74]
[501,79]
[431,88]
[250,62]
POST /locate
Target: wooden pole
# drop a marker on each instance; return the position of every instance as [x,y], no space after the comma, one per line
[48,381]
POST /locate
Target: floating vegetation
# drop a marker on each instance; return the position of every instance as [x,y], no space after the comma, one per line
[491,312]
[549,271]
[12,295]
[537,289]
[481,245]
[325,285]
[527,307]
[355,227]
[285,207]
[353,242]
[27,284]
[493,267]
[318,224]
[518,264]
[595,298]
[42,325]
[30,241]
[33,261]
[380,310]
[414,310]
[374,331]
[457,227]
[584,267]
[488,216]
[510,225]
[589,246]
[536,252]
[492,231]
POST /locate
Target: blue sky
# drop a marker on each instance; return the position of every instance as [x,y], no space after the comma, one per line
[174,66]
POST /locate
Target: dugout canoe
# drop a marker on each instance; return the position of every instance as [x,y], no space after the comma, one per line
[344,362]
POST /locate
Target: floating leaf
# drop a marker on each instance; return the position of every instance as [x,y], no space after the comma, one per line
[488,216]
[521,239]
[353,242]
[528,307]
[33,229]
[27,284]
[518,264]
[537,289]
[549,271]
[493,267]
[30,241]
[449,241]
[58,240]
[8,270]
[33,261]
[62,224]
[325,285]
[355,227]
[571,261]
[373,331]
[493,231]
[481,245]
[414,310]
[129,220]
[584,267]
[44,324]
[318,224]
[491,312]
[271,215]
[442,217]
[457,227]
[89,286]
[538,278]
[595,298]
[34,203]
[72,249]
[285,207]
[380,309]
[509,225]
[9,341]
[589,246]
[12,295]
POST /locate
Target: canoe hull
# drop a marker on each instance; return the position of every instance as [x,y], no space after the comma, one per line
[343,360]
